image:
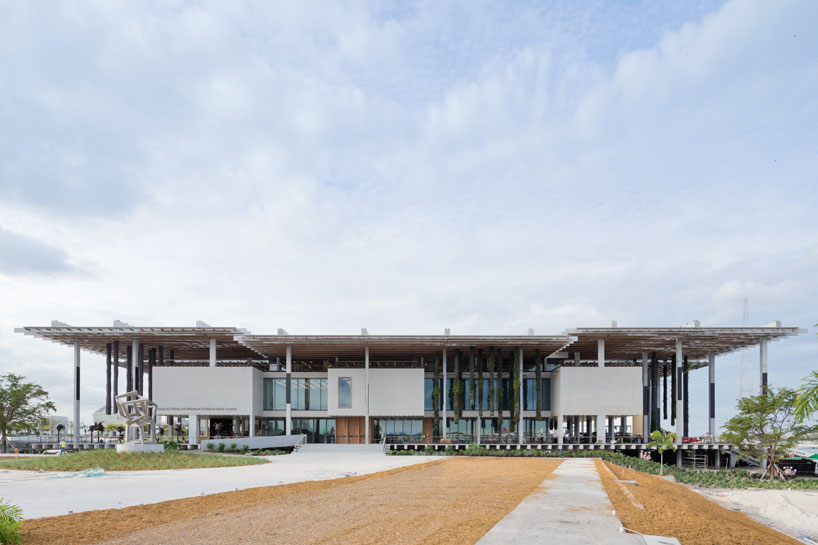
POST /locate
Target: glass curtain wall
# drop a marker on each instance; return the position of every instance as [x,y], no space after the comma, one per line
[317,430]
[530,394]
[407,429]
[308,394]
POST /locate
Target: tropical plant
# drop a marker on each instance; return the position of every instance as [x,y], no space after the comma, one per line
[480,384]
[500,390]
[11,520]
[60,429]
[457,388]
[686,399]
[538,382]
[662,442]
[806,404]
[516,363]
[436,399]
[766,427]
[22,404]
[492,379]
[472,383]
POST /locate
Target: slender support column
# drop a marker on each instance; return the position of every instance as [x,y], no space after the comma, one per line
[623,425]
[129,369]
[193,429]
[711,368]
[366,395]
[137,366]
[108,378]
[679,392]
[141,365]
[212,352]
[600,351]
[611,433]
[288,419]
[645,398]
[252,418]
[560,430]
[116,374]
[600,428]
[236,427]
[76,394]
[763,364]
[520,401]
[151,362]
[445,395]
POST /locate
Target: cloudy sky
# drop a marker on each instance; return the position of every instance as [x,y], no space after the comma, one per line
[484,166]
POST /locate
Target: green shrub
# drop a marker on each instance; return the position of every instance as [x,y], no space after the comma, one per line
[220,448]
[245,448]
[210,446]
[234,447]
[11,519]
[171,445]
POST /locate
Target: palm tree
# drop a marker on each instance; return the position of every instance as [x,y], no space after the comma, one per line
[807,401]
[60,428]
[662,442]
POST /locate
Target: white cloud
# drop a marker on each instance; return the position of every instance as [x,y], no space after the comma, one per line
[487,170]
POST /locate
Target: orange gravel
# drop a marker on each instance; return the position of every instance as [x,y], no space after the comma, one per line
[448,502]
[672,509]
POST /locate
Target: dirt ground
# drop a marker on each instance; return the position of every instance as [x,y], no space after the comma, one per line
[453,501]
[673,510]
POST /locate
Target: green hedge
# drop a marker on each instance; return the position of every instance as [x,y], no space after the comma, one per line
[725,478]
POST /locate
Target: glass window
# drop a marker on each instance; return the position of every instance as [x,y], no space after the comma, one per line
[531,394]
[275,394]
[344,393]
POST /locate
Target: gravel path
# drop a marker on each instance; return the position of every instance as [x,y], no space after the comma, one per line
[447,502]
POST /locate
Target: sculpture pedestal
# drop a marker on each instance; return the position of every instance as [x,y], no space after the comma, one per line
[141,447]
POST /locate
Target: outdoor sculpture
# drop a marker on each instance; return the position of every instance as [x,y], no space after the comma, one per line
[137,411]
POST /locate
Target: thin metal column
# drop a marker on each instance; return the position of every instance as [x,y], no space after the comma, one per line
[763,364]
[139,378]
[129,369]
[151,362]
[522,383]
[445,395]
[288,419]
[212,352]
[711,368]
[645,398]
[108,378]
[679,392]
[366,394]
[116,375]
[76,394]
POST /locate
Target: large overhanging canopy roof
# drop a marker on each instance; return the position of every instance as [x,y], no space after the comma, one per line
[625,344]
[396,347]
[187,343]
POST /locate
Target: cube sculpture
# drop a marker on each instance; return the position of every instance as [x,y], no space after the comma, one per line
[138,411]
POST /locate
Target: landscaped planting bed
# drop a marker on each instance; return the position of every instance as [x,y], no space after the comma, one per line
[110,460]
[722,478]
[670,509]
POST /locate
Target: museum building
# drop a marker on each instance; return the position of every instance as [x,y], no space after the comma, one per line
[587,385]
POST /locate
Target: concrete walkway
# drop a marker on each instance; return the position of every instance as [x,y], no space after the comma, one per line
[50,494]
[571,507]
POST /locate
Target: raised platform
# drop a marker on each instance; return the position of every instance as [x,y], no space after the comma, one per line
[140,447]
[556,447]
